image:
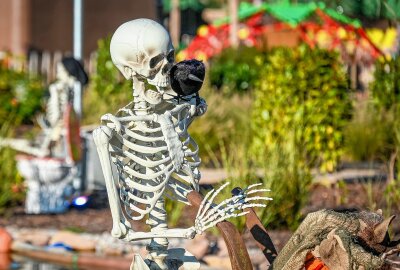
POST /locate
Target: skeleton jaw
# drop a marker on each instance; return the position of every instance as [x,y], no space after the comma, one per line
[151,96]
[155,97]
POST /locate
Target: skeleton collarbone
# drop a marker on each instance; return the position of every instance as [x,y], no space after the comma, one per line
[154,156]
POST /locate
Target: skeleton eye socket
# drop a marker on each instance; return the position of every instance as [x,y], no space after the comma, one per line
[171,56]
[155,60]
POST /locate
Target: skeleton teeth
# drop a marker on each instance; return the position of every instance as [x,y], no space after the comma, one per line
[160,83]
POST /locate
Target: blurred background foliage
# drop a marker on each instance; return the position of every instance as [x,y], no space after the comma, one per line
[21,97]
[12,189]
[236,70]
[303,99]
[108,90]
[20,94]
[386,101]
[273,117]
[362,9]
[301,105]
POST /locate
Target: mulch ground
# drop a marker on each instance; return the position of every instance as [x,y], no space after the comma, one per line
[360,196]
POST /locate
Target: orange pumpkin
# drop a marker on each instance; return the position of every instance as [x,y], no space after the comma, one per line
[5,261]
[5,241]
[313,263]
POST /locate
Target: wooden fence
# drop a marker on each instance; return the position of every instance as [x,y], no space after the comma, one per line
[45,63]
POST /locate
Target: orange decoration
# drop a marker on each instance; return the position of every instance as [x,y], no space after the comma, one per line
[5,241]
[313,263]
[5,261]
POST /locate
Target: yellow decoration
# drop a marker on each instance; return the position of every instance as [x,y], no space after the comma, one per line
[389,39]
[323,38]
[243,33]
[199,55]
[364,43]
[180,56]
[341,33]
[202,31]
[384,40]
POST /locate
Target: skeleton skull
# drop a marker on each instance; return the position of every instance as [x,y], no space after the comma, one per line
[142,49]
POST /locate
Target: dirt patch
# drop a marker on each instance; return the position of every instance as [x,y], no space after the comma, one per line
[350,196]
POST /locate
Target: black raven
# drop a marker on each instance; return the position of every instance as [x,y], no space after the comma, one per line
[187,77]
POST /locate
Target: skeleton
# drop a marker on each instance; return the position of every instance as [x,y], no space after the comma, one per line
[48,169]
[149,144]
[52,123]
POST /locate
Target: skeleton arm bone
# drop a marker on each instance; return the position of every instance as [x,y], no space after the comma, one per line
[135,118]
[102,136]
[24,146]
[188,233]
[208,217]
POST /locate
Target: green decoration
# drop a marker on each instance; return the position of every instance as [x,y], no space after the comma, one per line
[183,4]
[293,14]
[342,18]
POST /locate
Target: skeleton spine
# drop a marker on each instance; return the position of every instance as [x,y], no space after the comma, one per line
[158,247]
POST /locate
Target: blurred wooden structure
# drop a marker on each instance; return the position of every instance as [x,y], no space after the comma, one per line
[45,63]
[46,25]
[275,38]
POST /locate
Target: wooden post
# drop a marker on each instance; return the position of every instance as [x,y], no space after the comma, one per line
[20,34]
[175,23]
[233,14]
[238,254]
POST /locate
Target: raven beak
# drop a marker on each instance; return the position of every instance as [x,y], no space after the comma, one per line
[194,78]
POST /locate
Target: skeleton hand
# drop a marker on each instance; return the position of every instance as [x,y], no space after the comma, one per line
[209,215]
[198,106]
[190,233]
[201,108]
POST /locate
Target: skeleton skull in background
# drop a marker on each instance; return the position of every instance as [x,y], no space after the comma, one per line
[142,49]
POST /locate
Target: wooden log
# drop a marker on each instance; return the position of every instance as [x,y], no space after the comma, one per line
[75,259]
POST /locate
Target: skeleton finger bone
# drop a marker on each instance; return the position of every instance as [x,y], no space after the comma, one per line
[233,204]
[229,212]
[206,204]
[209,216]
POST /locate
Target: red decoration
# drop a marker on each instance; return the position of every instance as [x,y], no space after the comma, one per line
[328,33]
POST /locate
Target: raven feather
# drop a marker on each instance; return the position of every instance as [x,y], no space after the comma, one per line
[187,77]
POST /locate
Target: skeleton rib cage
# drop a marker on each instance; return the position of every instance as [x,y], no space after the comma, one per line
[154,156]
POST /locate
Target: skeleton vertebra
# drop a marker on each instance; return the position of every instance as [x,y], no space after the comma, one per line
[149,143]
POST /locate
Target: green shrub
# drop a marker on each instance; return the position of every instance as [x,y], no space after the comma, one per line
[108,90]
[11,183]
[385,91]
[97,104]
[386,97]
[289,178]
[366,135]
[20,98]
[236,70]
[302,94]
[301,106]
[386,85]
[20,94]
[226,122]
[107,79]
